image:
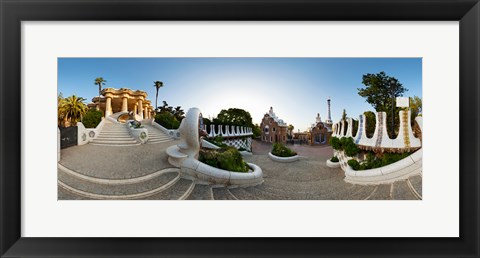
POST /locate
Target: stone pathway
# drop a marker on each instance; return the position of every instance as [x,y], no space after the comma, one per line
[143,172]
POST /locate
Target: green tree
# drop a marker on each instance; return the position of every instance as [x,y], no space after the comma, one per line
[92,118]
[415,108]
[256,130]
[344,115]
[73,109]
[370,122]
[100,81]
[60,112]
[379,89]
[177,112]
[157,85]
[234,116]
[290,129]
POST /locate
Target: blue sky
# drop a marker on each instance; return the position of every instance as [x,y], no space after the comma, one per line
[296,88]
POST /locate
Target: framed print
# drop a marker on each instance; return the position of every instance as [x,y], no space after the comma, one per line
[239,128]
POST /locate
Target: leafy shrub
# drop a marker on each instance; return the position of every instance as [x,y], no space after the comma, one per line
[335,142]
[227,158]
[281,150]
[350,148]
[346,144]
[334,159]
[136,124]
[354,164]
[167,120]
[373,161]
[92,118]
[370,121]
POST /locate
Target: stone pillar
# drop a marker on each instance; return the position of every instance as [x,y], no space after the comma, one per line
[124,103]
[145,112]
[108,106]
[140,108]
[135,109]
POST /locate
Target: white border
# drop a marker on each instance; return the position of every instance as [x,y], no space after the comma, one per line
[437,215]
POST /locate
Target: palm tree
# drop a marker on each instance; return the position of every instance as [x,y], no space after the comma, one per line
[158,85]
[100,81]
[73,109]
[290,128]
[60,113]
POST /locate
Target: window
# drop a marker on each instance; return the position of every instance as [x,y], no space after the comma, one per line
[273,129]
[271,139]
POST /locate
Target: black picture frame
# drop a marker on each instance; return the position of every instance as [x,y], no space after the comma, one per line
[13,12]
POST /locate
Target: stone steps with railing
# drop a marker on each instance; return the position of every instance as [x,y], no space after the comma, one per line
[114,134]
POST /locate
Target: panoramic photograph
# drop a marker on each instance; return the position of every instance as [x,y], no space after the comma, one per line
[239,129]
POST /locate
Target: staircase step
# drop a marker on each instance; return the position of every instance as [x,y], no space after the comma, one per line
[163,180]
[381,193]
[401,191]
[242,194]
[179,191]
[416,182]
[222,193]
[201,192]
[114,144]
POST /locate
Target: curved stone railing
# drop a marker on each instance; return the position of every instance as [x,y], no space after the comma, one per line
[139,134]
[283,159]
[86,135]
[185,156]
[401,169]
[405,139]
[229,131]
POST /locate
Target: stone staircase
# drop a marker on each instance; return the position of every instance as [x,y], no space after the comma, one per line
[114,134]
[155,135]
[167,184]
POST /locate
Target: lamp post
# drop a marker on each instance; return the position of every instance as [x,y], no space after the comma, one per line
[392,87]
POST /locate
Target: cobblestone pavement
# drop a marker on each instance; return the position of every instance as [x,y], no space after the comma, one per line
[116,162]
[143,172]
[259,147]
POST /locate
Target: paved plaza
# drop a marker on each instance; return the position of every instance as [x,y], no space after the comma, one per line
[143,172]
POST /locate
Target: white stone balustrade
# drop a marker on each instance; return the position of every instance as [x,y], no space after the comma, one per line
[235,131]
[380,139]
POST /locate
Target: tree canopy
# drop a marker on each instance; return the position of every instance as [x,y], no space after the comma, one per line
[178,112]
[234,116]
[71,109]
[378,90]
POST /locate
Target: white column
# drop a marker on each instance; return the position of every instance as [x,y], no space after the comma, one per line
[212,130]
[124,104]
[145,112]
[135,109]
[140,108]
[108,106]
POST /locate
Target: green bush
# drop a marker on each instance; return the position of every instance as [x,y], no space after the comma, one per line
[227,158]
[350,148]
[373,161]
[136,124]
[335,142]
[167,120]
[281,150]
[334,159]
[92,118]
[354,164]
[346,144]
